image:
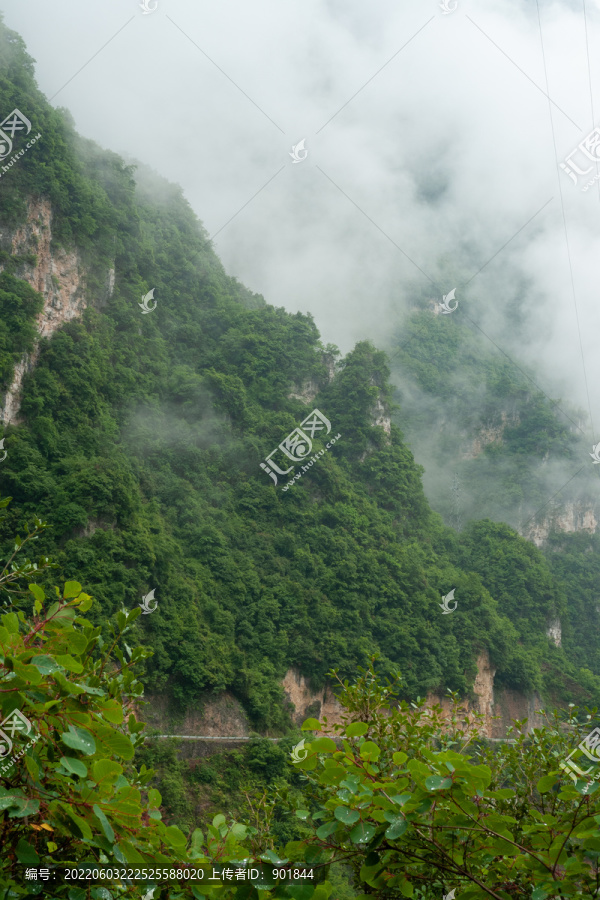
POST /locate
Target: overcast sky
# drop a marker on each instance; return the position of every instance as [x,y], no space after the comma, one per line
[433,147]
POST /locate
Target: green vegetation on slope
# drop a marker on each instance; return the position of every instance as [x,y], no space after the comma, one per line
[141,441]
[528,458]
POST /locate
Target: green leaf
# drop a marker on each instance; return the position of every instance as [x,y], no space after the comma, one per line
[406,889]
[67,662]
[113,743]
[356,729]
[79,739]
[540,893]
[85,602]
[74,765]
[301,813]
[323,745]
[72,589]
[197,839]
[155,799]
[399,758]
[27,807]
[77,894]
[11,623]
[396,829]
[112,711]
[274,858]
[325,830]
[370,751]
[26,854]
[11,798]
[105,771]
[546,784]
[332,775]
[44,664]
[81,825]
[106,826]
[347,816]
[311,725]
[437,783]
[362,833]
[300,891]
[32,767]
[67,685]
[37,592]
[176,837]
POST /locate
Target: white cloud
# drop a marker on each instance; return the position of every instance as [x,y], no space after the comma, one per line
[449,149]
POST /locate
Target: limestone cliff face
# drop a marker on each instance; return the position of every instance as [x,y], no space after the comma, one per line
[381,417]
[306,392]
[498,707]
[569,518]
[554,632]
[308,704]
[214,717]
[224,717]
[490,434]
[58,275]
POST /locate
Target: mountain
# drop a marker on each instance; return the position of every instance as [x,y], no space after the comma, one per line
[137,430]
[503,450]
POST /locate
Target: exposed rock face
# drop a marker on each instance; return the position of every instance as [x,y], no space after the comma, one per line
[381,417]
[224,717]
[571,517]
[483,685]
[499,707]
[490,434]
[10,408]
[306,393]
[555,632]
[92,526]
[219,716]
[307,704]
[58,276]
[505,704]
[309,390]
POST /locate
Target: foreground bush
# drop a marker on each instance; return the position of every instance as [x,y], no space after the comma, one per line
[422,805]
[68,791]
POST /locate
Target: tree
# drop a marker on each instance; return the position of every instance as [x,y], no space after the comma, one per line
[420,803]
[68,792]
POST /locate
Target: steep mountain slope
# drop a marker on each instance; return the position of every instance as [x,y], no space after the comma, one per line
[139,438]
[505,450]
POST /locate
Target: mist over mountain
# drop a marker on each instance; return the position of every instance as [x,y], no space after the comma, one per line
[140,435]
[297,354]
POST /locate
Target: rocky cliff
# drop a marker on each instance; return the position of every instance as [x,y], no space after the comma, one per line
[57,274]
[224,716]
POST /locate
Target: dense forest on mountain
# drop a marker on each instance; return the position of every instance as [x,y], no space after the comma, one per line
[141,441]
[530,467]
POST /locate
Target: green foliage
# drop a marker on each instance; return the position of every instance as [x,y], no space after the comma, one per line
[418,802]
[19,305]
[69,793]
[141,445]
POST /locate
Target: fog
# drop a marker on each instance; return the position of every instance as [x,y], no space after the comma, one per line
[433,148]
